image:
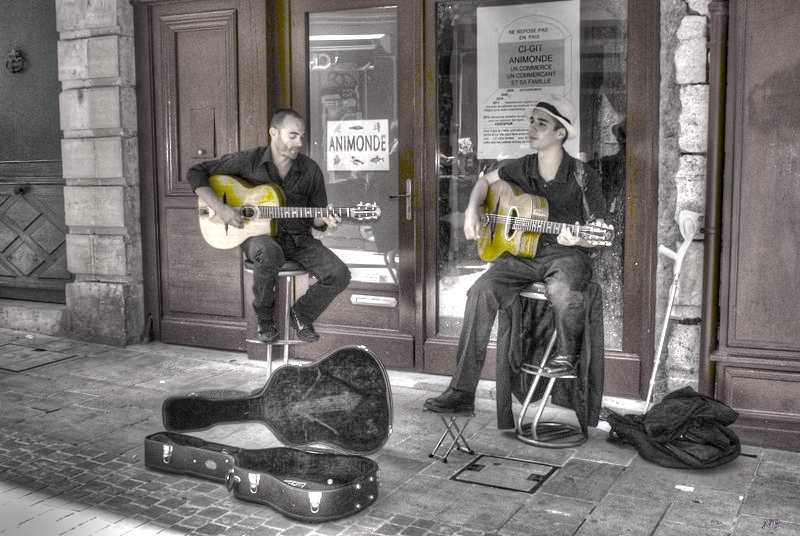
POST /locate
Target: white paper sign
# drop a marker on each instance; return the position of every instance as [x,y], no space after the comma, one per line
[361,145]
[524,52]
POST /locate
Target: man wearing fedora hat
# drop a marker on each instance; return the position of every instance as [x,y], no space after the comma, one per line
[562,261]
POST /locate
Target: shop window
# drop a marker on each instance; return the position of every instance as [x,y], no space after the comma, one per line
[491,62]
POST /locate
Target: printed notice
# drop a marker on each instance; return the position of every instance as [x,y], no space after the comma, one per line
[524,52]
[358,145]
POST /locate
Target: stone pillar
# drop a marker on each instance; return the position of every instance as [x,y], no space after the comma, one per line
[105,301]
[681,354]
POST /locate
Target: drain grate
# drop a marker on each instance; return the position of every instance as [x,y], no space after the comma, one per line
[505,473]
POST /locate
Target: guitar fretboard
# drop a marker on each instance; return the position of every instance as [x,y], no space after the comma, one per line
[278,212]
[531,225]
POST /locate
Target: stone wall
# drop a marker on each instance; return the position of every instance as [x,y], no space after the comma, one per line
[682,176]
[100,163]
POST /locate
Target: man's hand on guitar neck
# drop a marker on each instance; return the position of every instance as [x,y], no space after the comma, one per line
[566,238]
[332,220]
[229,215]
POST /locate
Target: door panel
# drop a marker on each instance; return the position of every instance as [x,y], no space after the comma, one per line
[33,252]
[192,46]
[190,265]
[358,60]
[204,56]
[757,362]
[197,73]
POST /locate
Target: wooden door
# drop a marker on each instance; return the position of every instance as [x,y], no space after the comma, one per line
[33,250]
[353,70]
[201,73]
[758,355]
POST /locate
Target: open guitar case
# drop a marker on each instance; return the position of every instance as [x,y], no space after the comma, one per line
[329,415]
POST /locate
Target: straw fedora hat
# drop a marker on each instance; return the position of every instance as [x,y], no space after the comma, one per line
[560,108]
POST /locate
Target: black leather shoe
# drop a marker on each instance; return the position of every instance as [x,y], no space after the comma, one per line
[267,333]
[452,401]
[560,365]
[305,332]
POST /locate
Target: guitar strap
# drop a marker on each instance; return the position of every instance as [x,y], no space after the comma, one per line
[580,178]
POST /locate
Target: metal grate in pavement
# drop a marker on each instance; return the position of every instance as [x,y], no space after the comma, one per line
[505,473]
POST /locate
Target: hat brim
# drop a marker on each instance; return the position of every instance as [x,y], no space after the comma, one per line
[571,130]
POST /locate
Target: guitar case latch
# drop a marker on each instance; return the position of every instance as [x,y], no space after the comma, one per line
[167,453]
[315,498]
[255,479]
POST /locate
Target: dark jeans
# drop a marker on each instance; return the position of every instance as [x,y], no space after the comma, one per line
[268,254]
[565,272]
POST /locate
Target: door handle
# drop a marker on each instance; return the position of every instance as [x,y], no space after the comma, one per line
[407,197]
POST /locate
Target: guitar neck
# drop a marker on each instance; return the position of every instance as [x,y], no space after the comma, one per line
[278,212]
[191,413]
[541,226]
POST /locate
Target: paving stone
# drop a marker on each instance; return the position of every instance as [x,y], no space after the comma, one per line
[584,480]
[780,465]
[747,525]
[599,449]
[483,508]
[620,514]
[705,509]
[667,528]
[735,476]
[661,481]
[773,499]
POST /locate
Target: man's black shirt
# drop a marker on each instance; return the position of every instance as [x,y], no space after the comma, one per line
[303,186]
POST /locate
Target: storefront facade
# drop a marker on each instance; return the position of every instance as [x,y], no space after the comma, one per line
[406,103]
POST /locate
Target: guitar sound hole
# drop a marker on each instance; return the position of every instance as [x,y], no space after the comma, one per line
[513,214]
[248,212]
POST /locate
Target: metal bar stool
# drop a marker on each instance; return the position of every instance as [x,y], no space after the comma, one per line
[455,431]
[542,433]
[288,271]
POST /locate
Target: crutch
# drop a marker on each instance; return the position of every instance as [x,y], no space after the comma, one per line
[690,224]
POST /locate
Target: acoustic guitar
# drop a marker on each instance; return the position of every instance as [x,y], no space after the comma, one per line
[512,222]
[260,205]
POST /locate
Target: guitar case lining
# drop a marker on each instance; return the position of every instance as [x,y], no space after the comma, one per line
[337,409]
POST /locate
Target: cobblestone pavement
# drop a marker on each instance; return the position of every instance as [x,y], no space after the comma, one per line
[75,415]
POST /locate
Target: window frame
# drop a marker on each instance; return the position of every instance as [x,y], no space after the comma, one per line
[628,370]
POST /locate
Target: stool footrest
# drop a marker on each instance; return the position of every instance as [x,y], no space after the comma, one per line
[543,433]
[279,342]
[538,370]
[551,435]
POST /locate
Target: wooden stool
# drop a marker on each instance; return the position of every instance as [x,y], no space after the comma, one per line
[288,271]
[545,434]
[455,431]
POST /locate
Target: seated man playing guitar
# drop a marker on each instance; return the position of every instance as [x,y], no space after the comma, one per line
[561,260]
[301,181]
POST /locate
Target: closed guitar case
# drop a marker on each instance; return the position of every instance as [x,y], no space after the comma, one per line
[328,415]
